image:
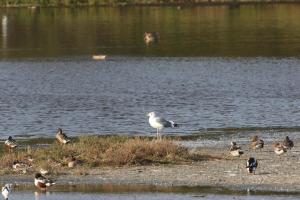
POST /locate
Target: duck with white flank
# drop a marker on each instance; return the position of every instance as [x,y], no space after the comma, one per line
[257,143]
[287,143]
[41,182]
[251,165]
[10,143]
[279,148]
[6,190]
[61,137]
[159,123]
[235,150]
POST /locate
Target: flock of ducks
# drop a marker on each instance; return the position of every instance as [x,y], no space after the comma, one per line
[256,143]
[40,181]
[158,123]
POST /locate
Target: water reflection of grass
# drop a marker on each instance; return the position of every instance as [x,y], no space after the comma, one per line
[95,151]
[197,191]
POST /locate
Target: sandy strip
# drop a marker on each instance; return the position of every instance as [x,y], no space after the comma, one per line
[274,173]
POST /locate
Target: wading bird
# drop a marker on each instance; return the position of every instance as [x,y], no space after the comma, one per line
[41,182]
[6,190]
[159,123]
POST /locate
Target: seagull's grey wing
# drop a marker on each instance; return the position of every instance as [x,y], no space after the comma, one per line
[164,122]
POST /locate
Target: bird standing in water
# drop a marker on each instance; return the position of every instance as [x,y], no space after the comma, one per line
[6,190]
[41,182]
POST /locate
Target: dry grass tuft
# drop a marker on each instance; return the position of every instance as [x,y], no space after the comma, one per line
[94,151]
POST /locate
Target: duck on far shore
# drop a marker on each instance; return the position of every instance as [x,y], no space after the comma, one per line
[10,143]
[279,148]
[287,143]
[251,165]
[61,137]
[20,167]
[235,150]
[257,143]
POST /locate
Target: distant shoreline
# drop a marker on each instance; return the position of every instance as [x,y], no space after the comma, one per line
[233,3]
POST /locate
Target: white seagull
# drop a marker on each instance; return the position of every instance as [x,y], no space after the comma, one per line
[159,123]
[6,190]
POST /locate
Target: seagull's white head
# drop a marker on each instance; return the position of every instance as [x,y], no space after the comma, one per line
[151,114]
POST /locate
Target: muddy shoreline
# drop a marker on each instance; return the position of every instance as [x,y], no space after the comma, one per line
[274,174]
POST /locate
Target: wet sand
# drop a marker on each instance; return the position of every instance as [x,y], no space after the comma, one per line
[274,173]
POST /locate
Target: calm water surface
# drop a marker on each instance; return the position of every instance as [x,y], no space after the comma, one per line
[139,196]
[272,30]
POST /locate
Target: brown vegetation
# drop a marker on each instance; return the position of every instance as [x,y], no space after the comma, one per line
[94,151]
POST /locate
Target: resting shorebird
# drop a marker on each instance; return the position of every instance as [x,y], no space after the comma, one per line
[6,190]
[235,150]
[71,162]
[41,182]
[150,37]
[159,123]
[287,143]
[61,137]
[20,167]
[251,165]
[10,143]
[257,143]
[279,148]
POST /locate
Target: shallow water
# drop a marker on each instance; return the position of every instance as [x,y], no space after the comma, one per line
[152,196]
[113,192]
[83,96]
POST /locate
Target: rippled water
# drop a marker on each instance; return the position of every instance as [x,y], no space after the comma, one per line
[84,96]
